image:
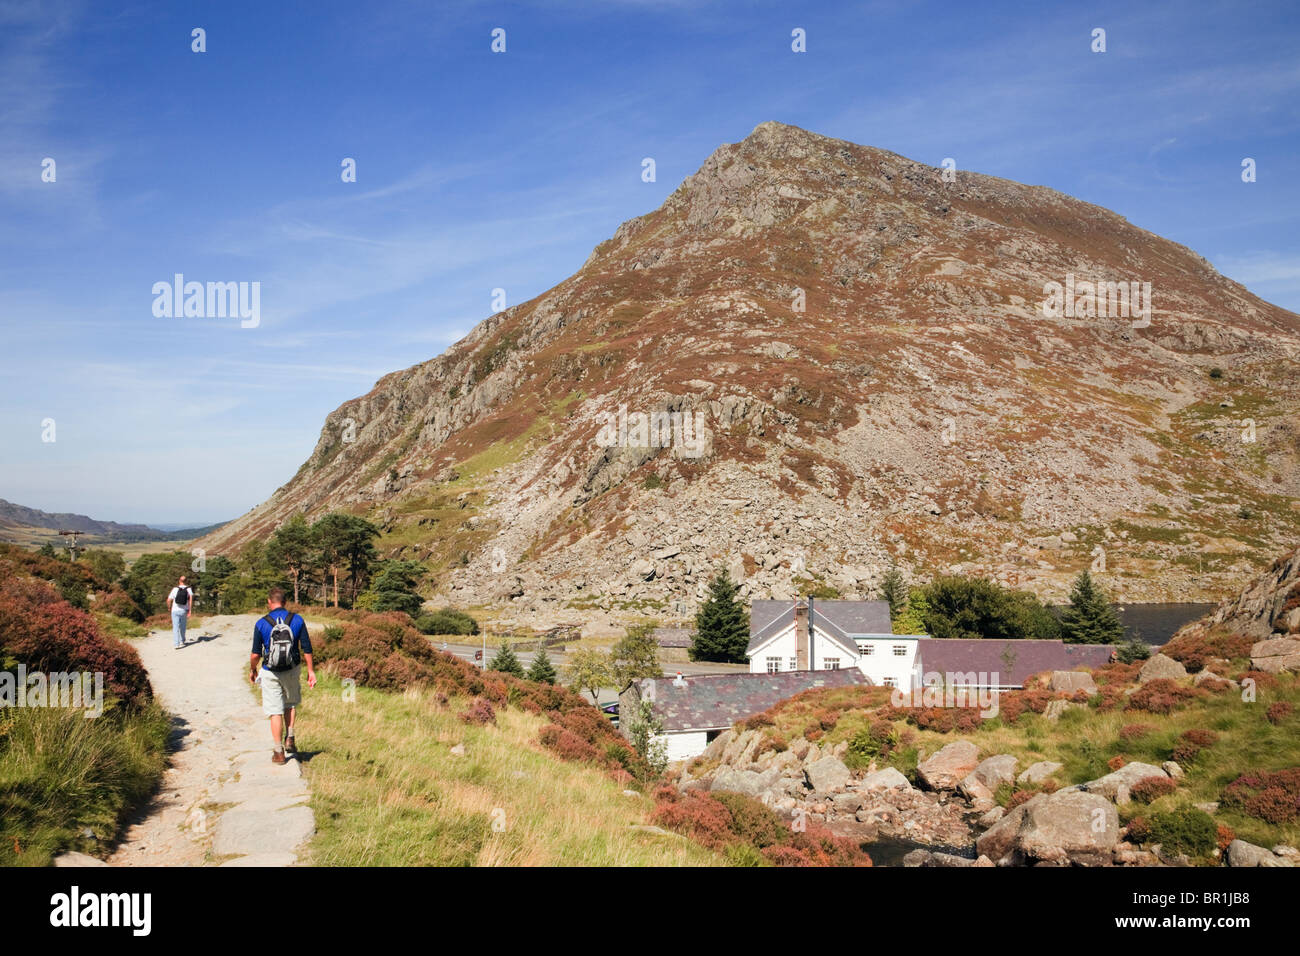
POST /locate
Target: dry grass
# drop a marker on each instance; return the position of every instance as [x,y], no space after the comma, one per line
[387,791]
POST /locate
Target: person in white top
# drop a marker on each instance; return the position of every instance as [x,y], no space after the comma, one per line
[180,601]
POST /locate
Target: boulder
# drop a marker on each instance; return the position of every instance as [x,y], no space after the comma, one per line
[1160,667]
[992,817]
[994,771]
[1241,853]
[849,803]
[1275,656]
[1071,681]
[887,779]
[800,747]
[1067,827]
[72,858]
[827,774]
[748,782]
[1170,767]
[946,769]
[1038,772]
[1055,708]
[1116,785]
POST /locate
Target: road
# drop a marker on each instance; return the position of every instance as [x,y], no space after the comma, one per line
[559,659]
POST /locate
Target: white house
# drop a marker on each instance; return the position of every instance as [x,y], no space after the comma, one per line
[831,635]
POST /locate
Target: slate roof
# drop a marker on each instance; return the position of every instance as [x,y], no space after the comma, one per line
[673,636]
[838,620]
[716,701]
[1012,661]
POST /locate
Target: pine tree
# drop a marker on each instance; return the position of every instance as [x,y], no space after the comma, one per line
[541,670]
[1090,619]
[894,590]
[721,625]
[506,661]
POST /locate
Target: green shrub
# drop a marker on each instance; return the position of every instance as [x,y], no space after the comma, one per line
[1185,830]
[446,621]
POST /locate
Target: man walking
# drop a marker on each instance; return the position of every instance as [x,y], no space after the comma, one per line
[280,644]
[180,601]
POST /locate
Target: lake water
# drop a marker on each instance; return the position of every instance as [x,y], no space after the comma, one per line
[1154,624]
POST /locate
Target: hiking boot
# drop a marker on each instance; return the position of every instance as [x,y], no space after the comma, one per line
[289,746]
[277,756]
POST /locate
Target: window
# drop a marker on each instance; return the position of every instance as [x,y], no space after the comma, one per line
[794,663]
[900,650]
[890,682]
[867,649]
[830,663]
[773,665]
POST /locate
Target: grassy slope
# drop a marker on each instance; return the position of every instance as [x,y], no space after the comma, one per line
[387,791]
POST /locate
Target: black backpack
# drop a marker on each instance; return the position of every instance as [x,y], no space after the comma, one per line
[282,649]
[182,598]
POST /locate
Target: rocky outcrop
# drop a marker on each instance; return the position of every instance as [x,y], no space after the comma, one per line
[1038,772]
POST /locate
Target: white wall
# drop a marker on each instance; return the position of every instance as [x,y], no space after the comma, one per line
[784,645]
[883,663]
[685,745]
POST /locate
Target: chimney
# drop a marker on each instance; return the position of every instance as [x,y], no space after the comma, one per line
[801,638]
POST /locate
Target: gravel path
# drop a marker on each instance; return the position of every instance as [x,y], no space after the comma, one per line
[222,801]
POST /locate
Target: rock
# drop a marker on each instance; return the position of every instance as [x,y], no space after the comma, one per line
[1160,667]
[747,782]
[1275,656]
[848,803]
[946,769]
[992,817]
[458,750]
[1071,681]
[1082,828]
[827,774]
[1208,675]
[1290,852]
[642,568]
[998,841]
[72,858]
[800,747]
[1172,768]
[886,779]
[718,745]
[916,857]
[1055,708]
[1038,772]
[982,861]
[1241,853]
[994,771]
[1116,785]
[1210,806]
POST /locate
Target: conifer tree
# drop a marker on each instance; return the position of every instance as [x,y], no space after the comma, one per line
[542,671]
[506,661]
[894,590]
[721,625]
[1090,619]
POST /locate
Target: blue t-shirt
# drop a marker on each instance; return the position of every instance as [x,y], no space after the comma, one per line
[262,634]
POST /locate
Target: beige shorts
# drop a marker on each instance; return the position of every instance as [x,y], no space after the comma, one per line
[280,690]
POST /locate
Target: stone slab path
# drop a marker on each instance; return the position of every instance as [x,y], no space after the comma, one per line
[221,802]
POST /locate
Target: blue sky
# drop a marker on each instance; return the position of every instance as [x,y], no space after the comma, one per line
[478,170]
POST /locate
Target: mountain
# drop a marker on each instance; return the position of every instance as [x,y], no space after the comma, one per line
[23,525]
[871,351]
